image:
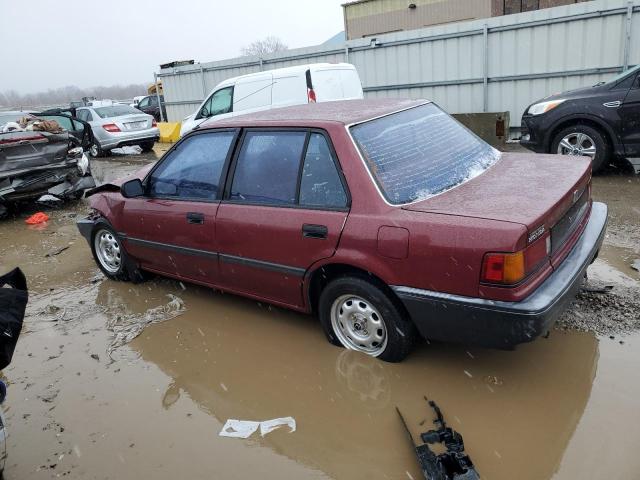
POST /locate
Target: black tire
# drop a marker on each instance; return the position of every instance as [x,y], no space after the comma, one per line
[400,331]
[603,149]
[147,146]
[120,273]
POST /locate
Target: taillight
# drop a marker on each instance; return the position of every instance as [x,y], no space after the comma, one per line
[154,123]
[512,268]
[311,95]
[111,127]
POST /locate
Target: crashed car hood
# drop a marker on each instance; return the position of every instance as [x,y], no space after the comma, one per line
[524,188]
[114,185]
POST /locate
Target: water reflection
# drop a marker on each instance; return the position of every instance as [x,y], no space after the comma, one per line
[236,359]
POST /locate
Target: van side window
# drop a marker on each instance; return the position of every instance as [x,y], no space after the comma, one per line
[220,102]
[320,185]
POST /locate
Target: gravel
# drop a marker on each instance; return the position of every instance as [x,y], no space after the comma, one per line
[615,312]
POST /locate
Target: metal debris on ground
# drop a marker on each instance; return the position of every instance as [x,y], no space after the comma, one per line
[454,463]
[603,289]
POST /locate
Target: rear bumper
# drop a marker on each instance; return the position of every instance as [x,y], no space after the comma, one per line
[130,138]
[499,324]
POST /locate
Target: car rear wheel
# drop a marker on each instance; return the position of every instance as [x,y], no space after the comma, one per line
[96,151]
[582,140]
[109,254]
[359,315]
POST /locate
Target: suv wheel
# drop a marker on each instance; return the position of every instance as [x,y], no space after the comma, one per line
[582,140]
[358,315]
[108,253]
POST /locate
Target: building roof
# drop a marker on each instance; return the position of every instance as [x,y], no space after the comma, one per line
[344,111]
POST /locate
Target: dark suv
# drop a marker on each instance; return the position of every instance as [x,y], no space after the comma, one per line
[602,121]
[149,105]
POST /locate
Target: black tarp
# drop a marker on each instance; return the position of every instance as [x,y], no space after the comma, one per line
[13,302]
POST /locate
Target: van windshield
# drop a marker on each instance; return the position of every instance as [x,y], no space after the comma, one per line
[420,152]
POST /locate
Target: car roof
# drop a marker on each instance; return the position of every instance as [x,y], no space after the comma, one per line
[345,112]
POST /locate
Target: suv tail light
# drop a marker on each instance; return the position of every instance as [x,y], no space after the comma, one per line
[111,127]
[512,268]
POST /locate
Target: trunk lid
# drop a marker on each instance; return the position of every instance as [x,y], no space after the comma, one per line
[526,188]
[22,151]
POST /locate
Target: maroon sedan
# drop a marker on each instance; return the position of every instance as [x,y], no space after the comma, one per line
[384,217]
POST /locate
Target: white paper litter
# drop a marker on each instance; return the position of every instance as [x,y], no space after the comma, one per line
[239,428]
[83,163]
[245,428]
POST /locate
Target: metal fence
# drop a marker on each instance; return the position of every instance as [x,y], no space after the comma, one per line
[495,64]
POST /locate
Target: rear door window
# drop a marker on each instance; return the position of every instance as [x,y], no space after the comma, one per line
[320,184]
[192,171]
[267,168]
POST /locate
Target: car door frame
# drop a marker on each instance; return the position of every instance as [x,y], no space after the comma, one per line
[151,245]
[285,270]
[632,149]
[201,118]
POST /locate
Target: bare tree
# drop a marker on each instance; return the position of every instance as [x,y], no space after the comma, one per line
[267,45]
[63,95]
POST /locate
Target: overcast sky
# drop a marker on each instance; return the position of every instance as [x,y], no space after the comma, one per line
[49,44]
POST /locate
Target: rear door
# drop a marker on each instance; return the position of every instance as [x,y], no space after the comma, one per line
[630,114]
[284,209]
[172,228]
[336,84]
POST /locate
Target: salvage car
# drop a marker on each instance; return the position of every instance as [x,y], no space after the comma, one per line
[386,218]
[601,122]
[117,125]
[150,106]
[34,163]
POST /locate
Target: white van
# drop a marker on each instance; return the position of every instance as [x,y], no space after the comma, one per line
[318,82]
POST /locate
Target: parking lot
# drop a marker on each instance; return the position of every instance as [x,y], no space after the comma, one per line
[82,405]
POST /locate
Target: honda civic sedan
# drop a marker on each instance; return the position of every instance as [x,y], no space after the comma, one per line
[386,218]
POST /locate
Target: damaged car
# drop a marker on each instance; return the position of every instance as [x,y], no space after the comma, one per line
[38,157]
[386,218]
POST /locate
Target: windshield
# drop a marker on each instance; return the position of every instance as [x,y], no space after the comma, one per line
[420,152]
[620,76]
[115,111]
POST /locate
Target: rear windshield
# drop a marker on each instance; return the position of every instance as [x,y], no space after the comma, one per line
[420,152]
[115,111]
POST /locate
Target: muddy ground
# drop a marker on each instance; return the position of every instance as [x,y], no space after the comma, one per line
[563,407]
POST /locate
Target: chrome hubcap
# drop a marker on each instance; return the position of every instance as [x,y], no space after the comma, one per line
[108,251]
[358,325]
[577,144]
[94,150]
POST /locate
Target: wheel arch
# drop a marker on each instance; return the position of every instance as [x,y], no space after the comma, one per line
[319,277]
[582,119]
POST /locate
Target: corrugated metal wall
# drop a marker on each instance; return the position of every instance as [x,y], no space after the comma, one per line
[495,64]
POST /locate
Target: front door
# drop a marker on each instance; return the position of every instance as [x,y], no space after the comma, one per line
[284,210]
[171,229]
[630,114]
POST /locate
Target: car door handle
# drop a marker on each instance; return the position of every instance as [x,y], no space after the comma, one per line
[314,231]
[195,217]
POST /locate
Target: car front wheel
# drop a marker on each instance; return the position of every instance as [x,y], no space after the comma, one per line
[109,254]
[582,140]
[359,315]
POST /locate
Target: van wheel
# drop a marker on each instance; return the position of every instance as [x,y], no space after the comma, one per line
[582,140]
[358,315]
[109,253]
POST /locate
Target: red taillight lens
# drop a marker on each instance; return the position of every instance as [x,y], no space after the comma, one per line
[111,127]
[311,95]
[511,268]
[154,123]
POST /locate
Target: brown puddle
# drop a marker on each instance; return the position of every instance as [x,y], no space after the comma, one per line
[564,407]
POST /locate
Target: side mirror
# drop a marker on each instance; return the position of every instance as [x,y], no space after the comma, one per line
[132,188]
